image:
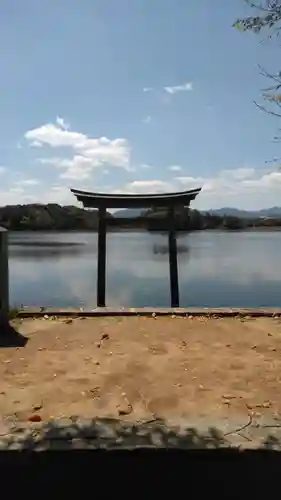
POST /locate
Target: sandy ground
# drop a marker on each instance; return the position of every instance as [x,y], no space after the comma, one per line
[141,368]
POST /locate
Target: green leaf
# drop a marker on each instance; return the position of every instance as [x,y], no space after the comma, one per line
[239,26]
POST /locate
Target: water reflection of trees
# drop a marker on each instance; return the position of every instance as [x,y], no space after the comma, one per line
[51,244]
[49,250]
[162,250]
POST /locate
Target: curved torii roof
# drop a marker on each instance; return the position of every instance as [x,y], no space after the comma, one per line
[96,200]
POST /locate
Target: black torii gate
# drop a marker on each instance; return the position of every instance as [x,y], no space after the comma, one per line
[104,201]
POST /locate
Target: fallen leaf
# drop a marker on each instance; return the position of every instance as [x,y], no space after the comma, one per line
[34,418]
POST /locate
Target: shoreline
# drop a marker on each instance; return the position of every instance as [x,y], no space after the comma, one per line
[154,312]
[141,230]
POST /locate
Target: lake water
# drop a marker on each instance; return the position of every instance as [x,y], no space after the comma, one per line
[216,269]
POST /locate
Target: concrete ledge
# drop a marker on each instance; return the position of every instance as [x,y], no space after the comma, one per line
[31,312]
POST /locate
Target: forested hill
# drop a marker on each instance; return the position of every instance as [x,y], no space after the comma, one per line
[47,217]
[55,217]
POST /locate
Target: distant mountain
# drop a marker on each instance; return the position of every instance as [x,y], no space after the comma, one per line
[128,212]
[271,212]
[246,214]
[234,212]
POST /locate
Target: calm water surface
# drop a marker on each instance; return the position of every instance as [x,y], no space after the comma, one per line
[216,269]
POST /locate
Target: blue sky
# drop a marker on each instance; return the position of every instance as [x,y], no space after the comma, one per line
[134,96]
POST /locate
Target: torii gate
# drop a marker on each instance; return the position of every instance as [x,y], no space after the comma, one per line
[104,201]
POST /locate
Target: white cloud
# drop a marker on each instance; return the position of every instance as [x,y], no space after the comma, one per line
[147,119]
[173,89]
[29,182]
[8,197]
[175,168]
[54,160]
[62,195]
[55,136]
[144,186]
[179,88]
[16,190]
[241,188]
[16,195]
[104,151]
[77,173]
[239,174]
[88,153]
[270,180]
[225,181]
[244,187]
[36,144]
[190,181]
[78,167]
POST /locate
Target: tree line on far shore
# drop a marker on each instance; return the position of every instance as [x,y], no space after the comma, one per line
[193,220]
[50,217]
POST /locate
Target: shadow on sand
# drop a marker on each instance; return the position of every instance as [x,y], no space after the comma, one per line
[118,457]
[10,337]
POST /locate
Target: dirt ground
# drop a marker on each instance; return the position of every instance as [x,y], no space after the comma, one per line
[141,368]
